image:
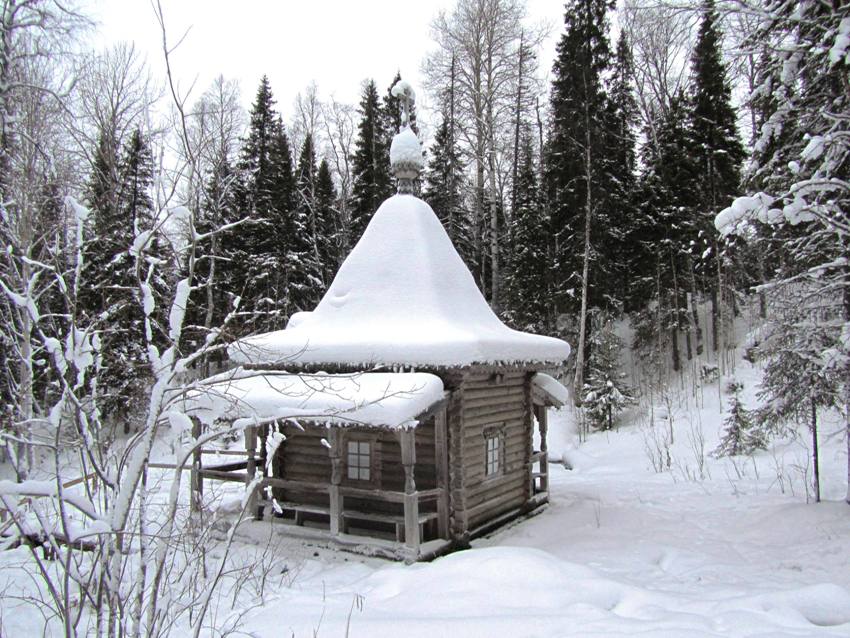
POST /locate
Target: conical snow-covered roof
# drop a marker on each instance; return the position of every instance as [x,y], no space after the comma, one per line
[402,297]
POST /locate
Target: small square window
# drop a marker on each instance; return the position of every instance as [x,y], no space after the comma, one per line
[359,460]
[494,454]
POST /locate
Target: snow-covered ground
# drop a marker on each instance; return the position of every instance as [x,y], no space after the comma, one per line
[719,548]
[621,550]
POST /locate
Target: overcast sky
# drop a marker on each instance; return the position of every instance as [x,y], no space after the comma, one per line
[335,43]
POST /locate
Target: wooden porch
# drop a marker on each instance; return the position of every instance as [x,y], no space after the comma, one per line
[413,523]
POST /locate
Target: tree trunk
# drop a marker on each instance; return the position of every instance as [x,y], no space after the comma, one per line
[847,385]
[517,114]
[578,381]
[815,455]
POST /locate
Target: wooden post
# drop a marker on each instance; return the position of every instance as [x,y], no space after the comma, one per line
[251,466]
[442,463]
[543,422]
[337,523]
[411,498]
[196,481]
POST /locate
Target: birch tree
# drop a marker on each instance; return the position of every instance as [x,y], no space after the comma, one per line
[483,46]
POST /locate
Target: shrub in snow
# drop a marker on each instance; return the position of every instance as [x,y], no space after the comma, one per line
[741,433]
[605,392]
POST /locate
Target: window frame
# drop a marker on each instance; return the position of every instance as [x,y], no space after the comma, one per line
[374,456]
[494,452]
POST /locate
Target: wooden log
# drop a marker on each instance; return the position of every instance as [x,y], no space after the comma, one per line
[305,486]
[515,391]
[487,515]
[222,476]
[387,496]
[214,452]
[488,379]
[494,506]
[491,402]
[494,413]
[229,467]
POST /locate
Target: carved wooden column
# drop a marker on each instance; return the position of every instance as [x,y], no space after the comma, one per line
[442,462]
[543,422]
[411,498]
[336,519]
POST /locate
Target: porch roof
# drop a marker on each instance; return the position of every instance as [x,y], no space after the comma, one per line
[377,399]
[549,391]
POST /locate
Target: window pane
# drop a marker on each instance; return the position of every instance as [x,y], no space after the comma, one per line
[352,446]
[364,473]
[352,472]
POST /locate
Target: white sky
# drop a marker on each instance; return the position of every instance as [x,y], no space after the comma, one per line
[334,43]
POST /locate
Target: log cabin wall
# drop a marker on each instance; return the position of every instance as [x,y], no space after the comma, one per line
[490,403]
[303,457]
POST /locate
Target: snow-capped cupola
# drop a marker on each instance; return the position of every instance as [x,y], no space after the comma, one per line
[402,297]
[406,159]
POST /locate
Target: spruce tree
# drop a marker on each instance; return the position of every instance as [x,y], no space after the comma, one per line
[527,278]
[330,229]
[445,183]
[741,434]
[664,226]
[802,162]
[621,173]
[576,155]
[606,394]
[259,248]
[370,164]
[718,152]
[578,172]
[112,274]
[213,297]
[306,285]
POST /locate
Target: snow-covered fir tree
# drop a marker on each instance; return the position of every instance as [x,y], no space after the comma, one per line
[122,211]
[445,183]
[577,163]
[259,249]
[663,228]
[370,165]
[330,229]
[806,119]
[742,433]
[622,117]
[606,393]
[527,274]
[718,152]
[304,260]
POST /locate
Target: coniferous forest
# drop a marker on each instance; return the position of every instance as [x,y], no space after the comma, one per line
[676,167]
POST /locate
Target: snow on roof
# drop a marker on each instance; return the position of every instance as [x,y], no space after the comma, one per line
[554,391]
[402,297]
[380,399]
